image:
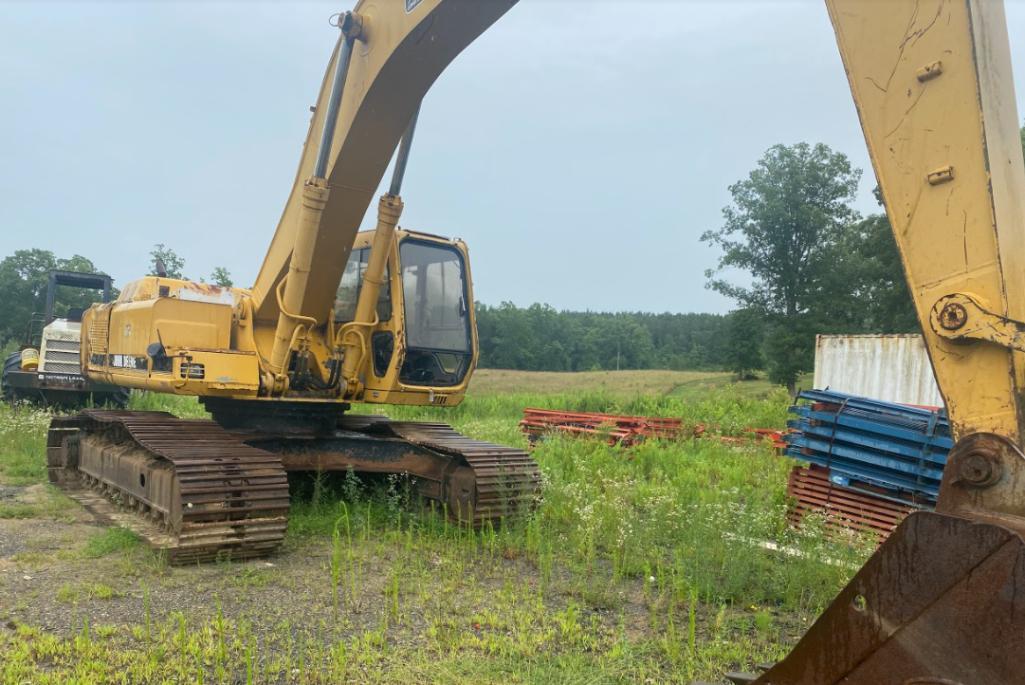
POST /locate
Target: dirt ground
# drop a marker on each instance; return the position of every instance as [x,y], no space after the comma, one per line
[50,580]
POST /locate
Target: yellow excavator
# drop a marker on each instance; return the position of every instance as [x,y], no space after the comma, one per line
[334,317]
[942,602]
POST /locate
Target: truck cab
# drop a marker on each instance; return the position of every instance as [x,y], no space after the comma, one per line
[47,370]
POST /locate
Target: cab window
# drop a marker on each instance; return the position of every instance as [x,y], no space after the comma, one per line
[352,283]
[434,290]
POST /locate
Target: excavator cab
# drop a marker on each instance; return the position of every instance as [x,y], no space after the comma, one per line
[425,333]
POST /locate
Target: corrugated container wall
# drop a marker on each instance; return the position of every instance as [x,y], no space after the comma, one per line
[893,368]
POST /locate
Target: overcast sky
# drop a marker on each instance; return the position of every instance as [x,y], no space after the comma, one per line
[579,147]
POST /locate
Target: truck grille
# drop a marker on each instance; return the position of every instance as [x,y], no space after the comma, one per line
[57,356]
[61,356]
[62,346]
[59,367]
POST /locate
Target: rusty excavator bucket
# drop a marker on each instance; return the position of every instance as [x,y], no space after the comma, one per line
[942,601]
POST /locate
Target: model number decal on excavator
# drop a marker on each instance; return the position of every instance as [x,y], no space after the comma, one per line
[127,361]
[411,5]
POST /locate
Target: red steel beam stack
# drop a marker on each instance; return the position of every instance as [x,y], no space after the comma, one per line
[615,428]
[773,436]
[842,508]
[618,429]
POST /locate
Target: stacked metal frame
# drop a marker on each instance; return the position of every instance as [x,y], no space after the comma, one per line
[890,451]
[813,493]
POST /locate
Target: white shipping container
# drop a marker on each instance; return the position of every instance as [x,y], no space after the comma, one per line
[893,368]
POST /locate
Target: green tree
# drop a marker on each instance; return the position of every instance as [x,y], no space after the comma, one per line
[782,228]
[867,284]
[542,338]
[870,276]
[168,259]
[745,333]
[221,276]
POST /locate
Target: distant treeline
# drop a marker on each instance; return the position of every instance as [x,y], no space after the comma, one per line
[540,338]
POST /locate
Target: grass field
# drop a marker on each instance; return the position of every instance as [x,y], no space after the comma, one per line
[640,564]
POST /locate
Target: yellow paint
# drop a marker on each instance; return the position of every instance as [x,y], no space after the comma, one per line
[399,56]
[354,337]
[233,348]
[932,83]
[29,360]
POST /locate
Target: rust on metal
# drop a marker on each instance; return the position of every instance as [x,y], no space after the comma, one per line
[199,493]
[473,480]
[624,431]
[616,429]
[985,480]
[841,508]
[911,615]
[897,619]
[953,316]
[500,482]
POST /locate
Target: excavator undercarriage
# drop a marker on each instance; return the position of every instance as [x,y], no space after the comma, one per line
[198,492]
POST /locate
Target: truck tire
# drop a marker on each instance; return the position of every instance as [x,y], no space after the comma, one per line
[12,363]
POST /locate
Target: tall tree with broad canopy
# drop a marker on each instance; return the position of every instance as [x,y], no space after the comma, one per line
[742,343]
[783,228]
[869,274]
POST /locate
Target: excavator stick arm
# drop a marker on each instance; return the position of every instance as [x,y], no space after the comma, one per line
[943,600]
[932,83]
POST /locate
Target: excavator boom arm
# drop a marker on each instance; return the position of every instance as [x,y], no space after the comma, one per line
[398,52]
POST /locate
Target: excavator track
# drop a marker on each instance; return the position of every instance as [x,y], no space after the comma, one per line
[473,481]
[506,480]
[188,487]
[199,492]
